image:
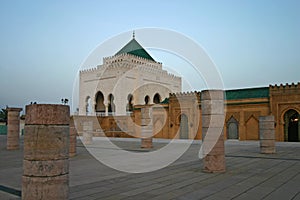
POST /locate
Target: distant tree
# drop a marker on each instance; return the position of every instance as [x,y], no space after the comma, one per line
[3,115]
[64,101]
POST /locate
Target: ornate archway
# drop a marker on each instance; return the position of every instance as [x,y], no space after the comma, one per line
[291,126]
[129,106]
[156,98]
[111,104]
[147,99]
[232,128]
[99,106]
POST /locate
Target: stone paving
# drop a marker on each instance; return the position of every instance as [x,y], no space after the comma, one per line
[249,174]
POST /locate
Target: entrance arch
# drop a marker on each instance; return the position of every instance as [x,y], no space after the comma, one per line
[100,107]
[129,107]
[147,99]
[232,128]
[156,98]
[291,126]
[111,104]
[184,127]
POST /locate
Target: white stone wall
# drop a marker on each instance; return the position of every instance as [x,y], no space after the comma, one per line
[122,75]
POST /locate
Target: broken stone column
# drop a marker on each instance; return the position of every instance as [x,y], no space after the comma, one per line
[212,106]
[46,164]
[267,134]
[13,128]
[73,138]
[146,127]
[87,132]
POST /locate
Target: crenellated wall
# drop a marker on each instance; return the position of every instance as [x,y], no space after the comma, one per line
[123,75]
[282,99]
[180,114]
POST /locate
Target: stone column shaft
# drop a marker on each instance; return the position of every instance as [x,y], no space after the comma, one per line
[46,164]
[212,105]
[87,132]
[13,128]
[73,138]
[267,134]
[146,127]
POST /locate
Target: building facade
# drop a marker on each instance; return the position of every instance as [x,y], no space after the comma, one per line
[128,78]
[112,95]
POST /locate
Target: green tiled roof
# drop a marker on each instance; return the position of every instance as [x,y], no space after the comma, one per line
[134,48]
[165,101]
[248,93]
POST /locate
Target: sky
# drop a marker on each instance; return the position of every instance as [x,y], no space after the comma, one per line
[43,44]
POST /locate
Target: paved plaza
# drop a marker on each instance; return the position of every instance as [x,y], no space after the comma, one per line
[249,174]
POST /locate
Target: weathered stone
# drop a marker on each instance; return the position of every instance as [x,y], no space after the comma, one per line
[73,138]
[212,105]
[46,164]
[43,142]
[146,127]
[87,137]
[146,143]
[212,121]
[212,95]
[47,114]
[45,188]
[45,168]
[267,134]
[215,107]
[146,122]
[13,128]
[267,143]
[214,163]
[267,150]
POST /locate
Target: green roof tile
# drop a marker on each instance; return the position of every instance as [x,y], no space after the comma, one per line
[247,93]
[165,101]
[134,48]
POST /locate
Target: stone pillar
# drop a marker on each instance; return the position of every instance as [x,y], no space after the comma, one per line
[46,164]
[267,134]
[87,132]
[146,127]
[73,138]
[212,106]
[13,128]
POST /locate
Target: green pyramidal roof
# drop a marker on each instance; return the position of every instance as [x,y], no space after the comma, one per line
[134,48]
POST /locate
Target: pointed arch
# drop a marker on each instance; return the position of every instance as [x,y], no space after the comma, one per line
[111,104]
[99,106]
[156,98]
[291,126]
[147,99]
[252,128]
[232,128]
[129,106]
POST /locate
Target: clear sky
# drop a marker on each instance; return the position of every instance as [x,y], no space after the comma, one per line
[43,43]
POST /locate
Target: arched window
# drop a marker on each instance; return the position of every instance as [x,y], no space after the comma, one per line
[100,107]
[111,105]
[129,107]
[291,126]
[147,99]
[232,128]
[156,98]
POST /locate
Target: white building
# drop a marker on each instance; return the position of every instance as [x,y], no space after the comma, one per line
[128,78]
